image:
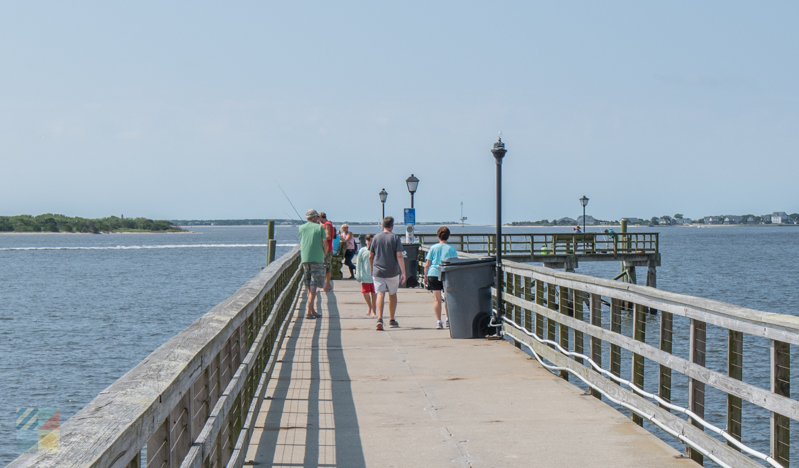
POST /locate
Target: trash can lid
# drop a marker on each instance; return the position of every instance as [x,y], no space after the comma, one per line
[455,263]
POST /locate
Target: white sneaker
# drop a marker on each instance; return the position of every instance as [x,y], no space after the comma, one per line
[439,325]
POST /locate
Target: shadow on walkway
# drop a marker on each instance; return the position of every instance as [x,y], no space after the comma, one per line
[313,381]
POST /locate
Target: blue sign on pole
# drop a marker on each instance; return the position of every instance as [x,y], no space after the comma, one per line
[410,216]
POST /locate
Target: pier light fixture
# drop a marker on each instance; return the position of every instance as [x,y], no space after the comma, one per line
[583,201]
[499,152]
[383,195]
[412,182]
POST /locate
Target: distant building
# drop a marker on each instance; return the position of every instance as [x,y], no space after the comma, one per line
[750,220]
[681,221]
[635,220]
[664,221]
[589,220]
[712,220]
[780,217]
[733,219]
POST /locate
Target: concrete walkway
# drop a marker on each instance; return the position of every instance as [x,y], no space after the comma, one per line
[349,396]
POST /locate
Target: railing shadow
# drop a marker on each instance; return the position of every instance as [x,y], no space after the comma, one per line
[348,447]
[349,451]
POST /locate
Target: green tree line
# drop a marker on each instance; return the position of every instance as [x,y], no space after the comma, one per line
[60,223]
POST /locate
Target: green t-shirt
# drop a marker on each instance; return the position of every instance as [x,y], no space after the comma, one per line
[311,237]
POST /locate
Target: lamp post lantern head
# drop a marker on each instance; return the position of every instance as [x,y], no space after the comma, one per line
[383,195]
[584,201]
[499,150]
[412,183]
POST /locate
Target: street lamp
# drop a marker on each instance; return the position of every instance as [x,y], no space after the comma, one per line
[584,201]
[412,183]
[499,152]
[383,195]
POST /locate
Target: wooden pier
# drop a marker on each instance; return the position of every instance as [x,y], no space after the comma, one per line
[252,382]
[346,395]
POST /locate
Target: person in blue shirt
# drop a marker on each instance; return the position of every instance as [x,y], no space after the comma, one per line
[435,255]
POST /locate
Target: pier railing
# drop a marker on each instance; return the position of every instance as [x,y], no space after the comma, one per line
[193,401]
[714,375]
[611,245]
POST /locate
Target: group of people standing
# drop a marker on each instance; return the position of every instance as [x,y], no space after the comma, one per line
[380,265]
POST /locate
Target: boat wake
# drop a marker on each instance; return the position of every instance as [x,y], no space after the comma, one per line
[147,247]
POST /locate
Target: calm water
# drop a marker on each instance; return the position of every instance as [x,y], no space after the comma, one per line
[78,311]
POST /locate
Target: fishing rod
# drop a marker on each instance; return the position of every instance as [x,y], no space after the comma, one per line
[292,204]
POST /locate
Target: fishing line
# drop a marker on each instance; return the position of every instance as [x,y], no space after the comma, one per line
[292,204]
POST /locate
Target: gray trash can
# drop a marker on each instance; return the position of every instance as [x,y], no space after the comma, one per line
[411,265]
[467,285]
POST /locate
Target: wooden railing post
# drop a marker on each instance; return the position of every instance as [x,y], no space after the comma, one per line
[512,310]
[639,334]
[563,302]
[735,345]
[271,243]
[781,385]
[518,292]
[577,297]
[596,343]
[528,296]
[615,327]
[666,336]
[696,389]
[551,304]
[539,299]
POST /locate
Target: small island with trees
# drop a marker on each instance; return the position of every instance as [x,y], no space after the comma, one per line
[64,224]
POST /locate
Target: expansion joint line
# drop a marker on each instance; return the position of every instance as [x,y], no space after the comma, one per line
[649,417]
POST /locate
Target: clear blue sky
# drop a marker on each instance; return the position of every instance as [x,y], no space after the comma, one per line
[195,109]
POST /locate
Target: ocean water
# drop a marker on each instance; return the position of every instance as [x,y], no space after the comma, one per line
[78,311]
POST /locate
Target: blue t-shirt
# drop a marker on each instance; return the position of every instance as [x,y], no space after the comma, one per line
[437,254]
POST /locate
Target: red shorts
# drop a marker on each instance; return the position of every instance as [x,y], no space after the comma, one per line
[367,287]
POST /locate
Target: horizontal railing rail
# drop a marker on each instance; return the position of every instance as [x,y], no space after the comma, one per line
[536,244]
[193,401]
[727,367]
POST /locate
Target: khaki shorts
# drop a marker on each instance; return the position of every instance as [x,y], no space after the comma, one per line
[329,261]
[389,285]
[314,274]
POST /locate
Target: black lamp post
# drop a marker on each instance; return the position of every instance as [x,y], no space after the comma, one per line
[499,152]
[383,195]
[412,182]
[584,201]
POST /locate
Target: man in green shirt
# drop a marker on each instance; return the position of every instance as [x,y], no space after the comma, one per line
[312,254]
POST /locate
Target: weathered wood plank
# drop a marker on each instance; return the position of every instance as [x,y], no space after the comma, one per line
[696,388]
[750,393]
[615,328]
[639,334]
[563,332]
[781,385]
[734,371]
[113,427]
[666,341]
[596,343]
[714,446]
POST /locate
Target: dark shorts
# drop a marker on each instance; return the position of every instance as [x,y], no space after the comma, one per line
[434,284]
